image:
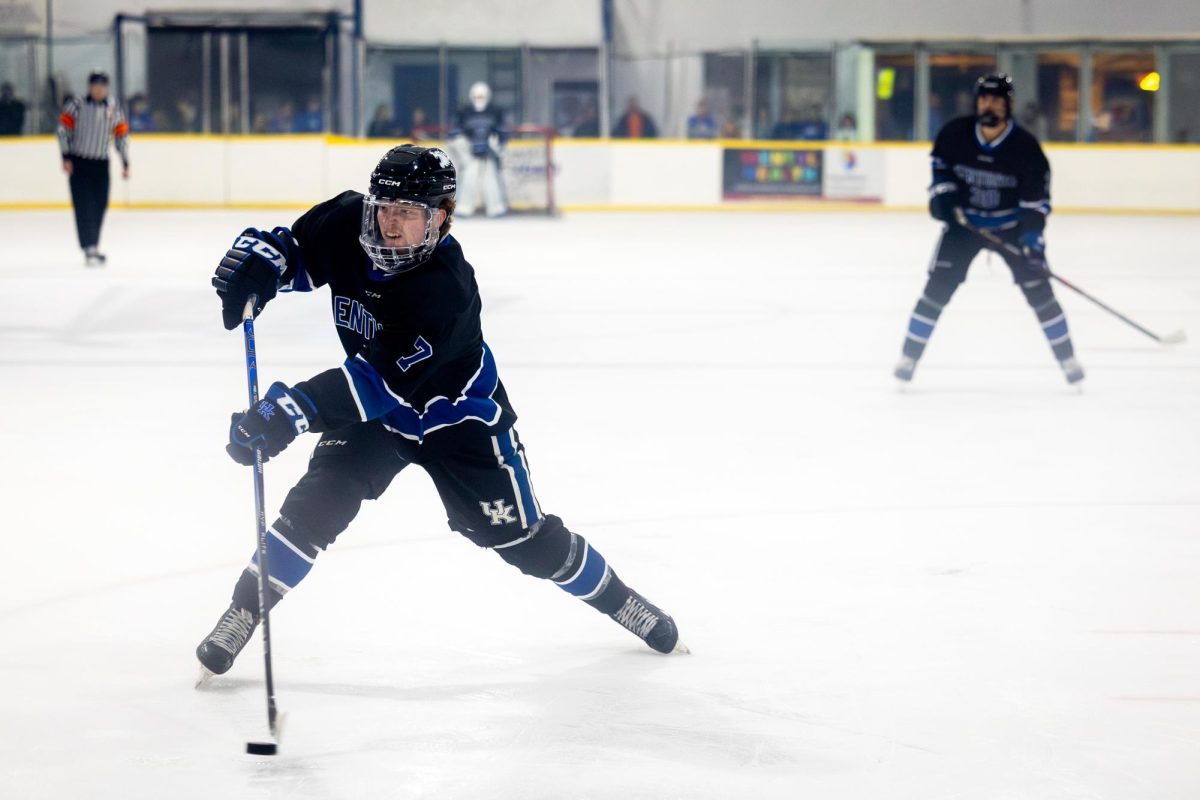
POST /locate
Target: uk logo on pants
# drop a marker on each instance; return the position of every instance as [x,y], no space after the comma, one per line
[499,512]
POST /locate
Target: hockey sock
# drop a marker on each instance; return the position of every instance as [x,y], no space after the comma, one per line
[552,552]
[587,575]
[1052,319]
[287,565]
[920,326]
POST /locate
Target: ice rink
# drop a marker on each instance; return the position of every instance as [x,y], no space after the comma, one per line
[985,587]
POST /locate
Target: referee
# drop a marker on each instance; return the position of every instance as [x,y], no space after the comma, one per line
[87,127]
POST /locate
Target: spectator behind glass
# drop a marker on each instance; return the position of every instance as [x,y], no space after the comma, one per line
[847,128]
[140,118]
[284,118]
[701,125]
[382,126]
[12,112]
[635,123]
[808,125]
[936,116]
[420,121]
[1033,120]
[587,124]
[187,115]
[312,118]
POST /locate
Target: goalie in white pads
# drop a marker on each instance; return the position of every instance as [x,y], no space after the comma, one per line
[477,143]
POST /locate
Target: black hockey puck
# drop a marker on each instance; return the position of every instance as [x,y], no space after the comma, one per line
[262,748]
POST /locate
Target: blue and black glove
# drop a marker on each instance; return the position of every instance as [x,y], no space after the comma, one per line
[1033,245]
[271,425]
[253,265]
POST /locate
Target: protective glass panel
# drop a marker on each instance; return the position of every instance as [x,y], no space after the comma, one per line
[1123,89]
[287,81]
[1184,112]
[895,96]
[952,78]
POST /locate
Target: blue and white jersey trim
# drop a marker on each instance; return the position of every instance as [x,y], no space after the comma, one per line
[1037,205]
[987,146]
[994,220]
[942,188]
[375,400]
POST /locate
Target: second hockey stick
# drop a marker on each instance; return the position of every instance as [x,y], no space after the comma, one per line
[274,721]
[1174,337]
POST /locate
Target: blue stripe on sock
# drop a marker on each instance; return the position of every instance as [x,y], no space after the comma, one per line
[1057,330]
[283,564]
[588,579]
[918,328]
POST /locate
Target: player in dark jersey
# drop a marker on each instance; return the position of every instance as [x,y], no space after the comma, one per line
[989,173]
[418,386]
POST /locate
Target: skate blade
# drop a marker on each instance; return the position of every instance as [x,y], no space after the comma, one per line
[204,677]
[681,648]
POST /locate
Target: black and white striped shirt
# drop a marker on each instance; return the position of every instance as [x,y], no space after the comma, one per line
[87,129]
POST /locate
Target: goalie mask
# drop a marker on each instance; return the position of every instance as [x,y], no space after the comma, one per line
[401,225]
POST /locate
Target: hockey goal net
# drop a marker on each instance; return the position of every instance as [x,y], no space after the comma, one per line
[526,164]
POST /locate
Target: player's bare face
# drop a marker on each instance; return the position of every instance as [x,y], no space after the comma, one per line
[991,104]
[402,226]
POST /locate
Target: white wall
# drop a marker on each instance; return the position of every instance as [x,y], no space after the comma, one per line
[557,23]
[214,171]
[645,26]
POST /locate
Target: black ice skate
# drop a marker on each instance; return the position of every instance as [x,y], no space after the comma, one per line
[648,622]
[1072,370]
[221,647]
[94,258]
[905,369]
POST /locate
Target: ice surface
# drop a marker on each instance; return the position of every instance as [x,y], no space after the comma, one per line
[983,587]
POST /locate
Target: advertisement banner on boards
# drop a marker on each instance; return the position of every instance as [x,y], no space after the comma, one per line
[754,172]
[852,173]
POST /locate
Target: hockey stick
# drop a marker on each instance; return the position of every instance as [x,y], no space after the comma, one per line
[264,612]
[1174,337]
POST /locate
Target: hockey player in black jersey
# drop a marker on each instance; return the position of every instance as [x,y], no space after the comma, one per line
[418,386]
[991,174]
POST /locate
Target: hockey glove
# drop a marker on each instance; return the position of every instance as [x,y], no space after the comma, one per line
[271,425]
[253,265]
[945,207]
[1033,245]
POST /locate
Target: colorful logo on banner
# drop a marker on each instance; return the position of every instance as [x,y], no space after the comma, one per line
[766,172]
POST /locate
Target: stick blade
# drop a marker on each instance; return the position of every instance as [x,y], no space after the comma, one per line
[1175,337]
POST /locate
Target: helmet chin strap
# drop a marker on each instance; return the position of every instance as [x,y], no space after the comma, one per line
[990,119]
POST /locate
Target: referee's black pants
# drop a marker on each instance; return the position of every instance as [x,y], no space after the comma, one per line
[89,195]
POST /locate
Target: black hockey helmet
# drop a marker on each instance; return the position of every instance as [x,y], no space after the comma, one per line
[998,85]
[408,186]
[410,172]
[97,76]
